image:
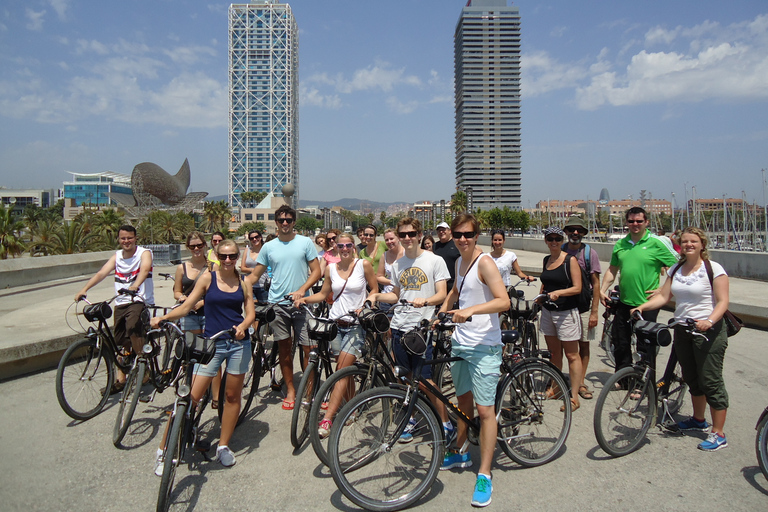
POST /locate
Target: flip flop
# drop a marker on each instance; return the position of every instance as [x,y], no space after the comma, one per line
[585,393]
[288,404]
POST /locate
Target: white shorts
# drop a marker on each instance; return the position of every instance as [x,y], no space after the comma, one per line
[566,325]
[587,334]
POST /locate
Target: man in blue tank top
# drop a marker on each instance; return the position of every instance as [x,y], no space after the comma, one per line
[295,268]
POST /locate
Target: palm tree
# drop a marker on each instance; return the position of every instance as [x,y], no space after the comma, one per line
[458,202]
[72,237]
[43,232]
[10,234]
[216,215]
[108,221]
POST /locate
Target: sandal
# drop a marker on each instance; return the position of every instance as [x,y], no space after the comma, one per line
[214,404]
[574,406]
[289,404]
[585,393]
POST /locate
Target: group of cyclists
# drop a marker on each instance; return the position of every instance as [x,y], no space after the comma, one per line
[216,291]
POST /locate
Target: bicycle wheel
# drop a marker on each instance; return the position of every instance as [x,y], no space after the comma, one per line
[607,341]
[625,410]
[251,383]
[761,445]
[128,401]
[173,451]
[83,379]
[360,380]
[305,395]
[533,409]
[369,466]
[444,381]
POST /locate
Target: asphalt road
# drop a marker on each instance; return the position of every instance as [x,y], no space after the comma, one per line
[51,463]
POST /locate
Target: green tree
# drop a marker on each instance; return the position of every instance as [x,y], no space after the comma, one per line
[43,232]
[251,226]
[165,228]
[10,234]
[72,237]
[458,202]
[216,215]
[308,224]
[383,217]
[108,221]
[495,218]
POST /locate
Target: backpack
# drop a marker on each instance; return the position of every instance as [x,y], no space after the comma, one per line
[585,296]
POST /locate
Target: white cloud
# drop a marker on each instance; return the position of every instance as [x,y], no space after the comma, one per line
[541,73]
[93,46]
[189,54]
[35,19]
[60,6]
[399,107]
[313,98]
[378,76]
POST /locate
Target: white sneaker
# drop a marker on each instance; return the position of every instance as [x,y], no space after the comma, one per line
[225,456]
[159,463]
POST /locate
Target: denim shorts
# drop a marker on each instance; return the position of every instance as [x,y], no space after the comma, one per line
[349,340]
[193,322]
[406,360]
[237,354]
[478,371]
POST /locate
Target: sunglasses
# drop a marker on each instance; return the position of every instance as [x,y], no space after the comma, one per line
[572,230]
[554,239]
[287,220]
[255,238]
[331,238]
[232,257]
[196,246]
[408,234]
[369,234]
[214,241]
[466,234]
[635,221]
[345,246]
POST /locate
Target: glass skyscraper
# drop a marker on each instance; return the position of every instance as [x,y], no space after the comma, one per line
[487,100]
[263,100]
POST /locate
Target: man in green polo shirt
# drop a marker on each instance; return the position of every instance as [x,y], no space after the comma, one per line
[639,257]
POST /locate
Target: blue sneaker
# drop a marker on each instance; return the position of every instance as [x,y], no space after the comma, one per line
[455,460]
[713,443]
[450,435]
[693,424]
[483,489]
[407,435]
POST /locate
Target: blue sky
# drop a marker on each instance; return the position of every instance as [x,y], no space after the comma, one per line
[656,95]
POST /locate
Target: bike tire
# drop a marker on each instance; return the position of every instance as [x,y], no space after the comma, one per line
[83,379]
[305,396]
[443,378]
[620,421]
[362,380]
[128,402]
[533,410]
[172,456]
[366,469]
[606,342]
[761,445]
[251,383]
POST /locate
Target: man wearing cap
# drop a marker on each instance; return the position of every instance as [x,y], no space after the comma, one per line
[640,257]
[446,249]
[575,230]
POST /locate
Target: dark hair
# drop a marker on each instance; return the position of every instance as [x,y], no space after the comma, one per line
[128,228]
[285,210]
[498,232]
[371,226]
[428,237]
[195,234]
[218,233]
[327,244]
[254,231]
[636,210]
[463,218]
[409,221]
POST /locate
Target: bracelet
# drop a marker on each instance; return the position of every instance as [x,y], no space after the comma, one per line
[709,320]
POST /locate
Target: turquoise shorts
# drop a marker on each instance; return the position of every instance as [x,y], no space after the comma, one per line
[478,371]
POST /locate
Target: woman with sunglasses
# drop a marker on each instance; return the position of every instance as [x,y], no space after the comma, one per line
[229,305]
[216,238]
[347,282]
[560,319]
[394,252]
[187,275]
[505,260]
[331,253]
[373,250]
[248,263]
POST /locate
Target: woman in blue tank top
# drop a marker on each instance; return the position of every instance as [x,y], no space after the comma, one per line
[224,301]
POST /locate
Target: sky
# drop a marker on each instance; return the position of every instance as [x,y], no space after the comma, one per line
[667,96]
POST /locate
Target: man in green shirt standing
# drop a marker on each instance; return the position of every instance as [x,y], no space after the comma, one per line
[639,257]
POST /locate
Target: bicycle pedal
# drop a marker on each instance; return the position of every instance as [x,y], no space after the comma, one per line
[202,445]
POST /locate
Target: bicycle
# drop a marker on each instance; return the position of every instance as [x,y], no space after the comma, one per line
[186,414]
[507,319]
[761,442]
[86,372]
[627,405]
[376,472]
[373,369]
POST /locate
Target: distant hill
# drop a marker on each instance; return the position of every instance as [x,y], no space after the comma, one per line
[346,203]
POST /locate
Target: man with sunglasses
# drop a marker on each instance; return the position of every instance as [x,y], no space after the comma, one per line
[295,268]
[419,277]
[639,257]
[445,247]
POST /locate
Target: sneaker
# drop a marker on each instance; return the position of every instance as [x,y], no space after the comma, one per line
[693,424]
[713,443]
[450,435]
[159,463]
[483,489]
[456,460]
[407,435]
[225,456]
[324,429]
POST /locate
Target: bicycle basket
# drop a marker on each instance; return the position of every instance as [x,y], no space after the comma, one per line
[96,312]
[373,320]
[199,348]
[322,329]
[654,332]
[414,342]
[264,312]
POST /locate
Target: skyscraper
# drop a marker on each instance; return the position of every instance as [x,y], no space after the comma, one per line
[487,99]
[263,99]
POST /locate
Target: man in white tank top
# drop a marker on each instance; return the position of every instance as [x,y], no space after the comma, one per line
[480,293]
[132,266]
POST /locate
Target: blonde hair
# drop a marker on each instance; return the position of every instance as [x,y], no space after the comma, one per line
[691,230]
[228,242]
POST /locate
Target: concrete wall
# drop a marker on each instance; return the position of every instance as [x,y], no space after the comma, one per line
[743,264]
[26,270]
